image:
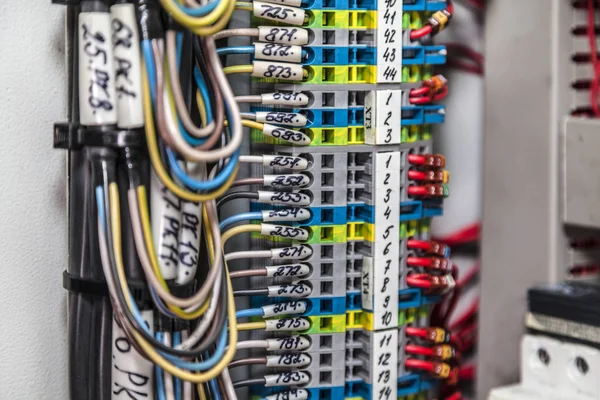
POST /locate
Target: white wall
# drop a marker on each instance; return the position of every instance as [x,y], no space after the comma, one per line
[33,221]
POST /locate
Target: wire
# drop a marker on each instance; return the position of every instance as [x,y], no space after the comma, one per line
[249,216]
[422,365]
[248,273]
[250,326]
[236,195]
[251,312]
[251,292]
[236,255]
[248,361]
[238,69]
[249,382]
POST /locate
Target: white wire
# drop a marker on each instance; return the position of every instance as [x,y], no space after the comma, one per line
[252,344]
[235,32]
[249,99]
[236,255]
[250,116]
[188,388]
[251,159]
[169,388]
[228,385]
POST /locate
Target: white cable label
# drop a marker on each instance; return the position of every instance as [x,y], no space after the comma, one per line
[286,181]
[283,34]
[282,118]
[389,41]
[384,364]
[287,324]
[294,163]
[128,67]
[189,242]
[294,378]
[288,232]
[285,214]
[386,267]
[288,308]
[295,137]
[383,117]
[298,252]
[166,223]
[288,343]
[286,198]
[288,271]
[295,394]
[289,15]
[97,93]
[278,52]
[285,98]
[277,70]
[290,360]
[291,290]
[131,375]
[367,291]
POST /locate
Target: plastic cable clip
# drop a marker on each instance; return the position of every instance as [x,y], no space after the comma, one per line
[74,136]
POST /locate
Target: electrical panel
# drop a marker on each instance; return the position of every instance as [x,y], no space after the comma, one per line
[313,143]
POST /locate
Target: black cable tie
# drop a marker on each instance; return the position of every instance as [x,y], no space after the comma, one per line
[73,136]
[76,284]
[98,287]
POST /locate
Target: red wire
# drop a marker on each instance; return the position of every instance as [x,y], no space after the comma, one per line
[591,32]
[426,99]
[415,159]
[417,190]
[419,364]
[418,261]
[418,244]
[467,373]
[466,235]
[413,281]
[421,32]
[455,396]
[419,350]
[420,91]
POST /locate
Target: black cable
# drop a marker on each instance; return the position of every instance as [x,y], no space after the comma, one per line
[249,382]
[251,292]
[236,195]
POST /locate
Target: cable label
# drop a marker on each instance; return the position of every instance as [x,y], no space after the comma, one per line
[287,324]
[285,98]
[294,378]
[283,34]
[278,52]
[292,290]
[286,198]
[282,231]
[294,163]
[288,343]
[289,271]
[294,394]
[277,70]
[286,181]
[282,118]
[288,135]
[290,307]
[131,375]
[189,241]
[293,360]
[289,15]
[128,67]
[293,252]
[97,93]
[285,214]
[389,41]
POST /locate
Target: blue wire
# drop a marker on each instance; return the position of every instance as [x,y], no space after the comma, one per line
[250,312]
[150,67]
[160,305]
[177,381]
[218,181]
[239,218]
[200,11]
[179,41]
[160,383]
[214,388]
[226,51]
[204,92]
[100,204]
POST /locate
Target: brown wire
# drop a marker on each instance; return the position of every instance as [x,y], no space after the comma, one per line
[247,361]
[248,273]
[248,181]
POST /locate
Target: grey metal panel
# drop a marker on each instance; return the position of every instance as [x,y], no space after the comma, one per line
[581,189]
[527,66]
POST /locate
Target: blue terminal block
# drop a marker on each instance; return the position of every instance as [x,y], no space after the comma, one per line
[419,55]
[334,392]
[353,301]
[435,55]
[435,114]
[317,118]
[424,5]
[315,305]
[409,211]
[414,298]
[432,208]
[367,55]
[319,215]
[413,384]
[326,4]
